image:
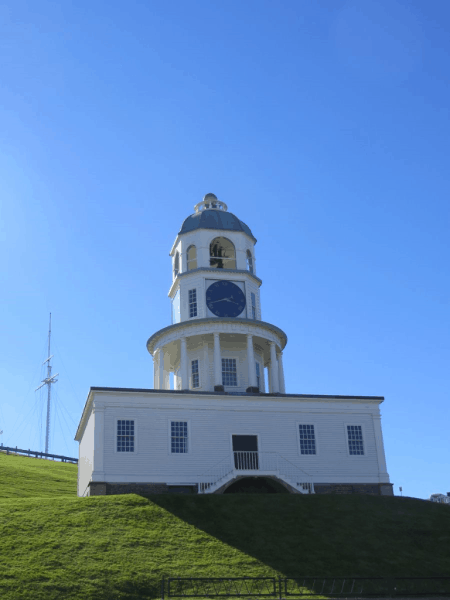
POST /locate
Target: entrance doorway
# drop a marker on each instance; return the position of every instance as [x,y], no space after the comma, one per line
[245,451]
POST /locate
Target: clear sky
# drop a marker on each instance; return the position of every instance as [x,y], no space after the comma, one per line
[323,125]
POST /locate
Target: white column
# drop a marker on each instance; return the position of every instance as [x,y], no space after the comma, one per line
[273,369]
[155,370]
[99,443]
[384,477]
[281,373]
[217,361]
[161,374]
[184,365]
[251,361]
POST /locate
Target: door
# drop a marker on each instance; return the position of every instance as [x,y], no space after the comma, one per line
[245,451]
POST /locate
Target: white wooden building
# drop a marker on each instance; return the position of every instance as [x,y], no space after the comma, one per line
[219,429]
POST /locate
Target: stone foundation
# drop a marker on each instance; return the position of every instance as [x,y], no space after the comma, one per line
[373,489]
[143,489]
[146,489]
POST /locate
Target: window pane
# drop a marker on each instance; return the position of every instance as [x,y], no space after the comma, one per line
[229,373]
[192,303]
[178,437]
[195,374]
[191,258]
[355,440]
[125,436]
[307,439]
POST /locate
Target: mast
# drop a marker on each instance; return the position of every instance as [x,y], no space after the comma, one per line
[48,381]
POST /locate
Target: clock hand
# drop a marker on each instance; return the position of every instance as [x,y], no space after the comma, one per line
[221,300]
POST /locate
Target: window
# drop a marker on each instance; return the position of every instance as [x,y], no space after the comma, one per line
[195,374]
[307,439]
[125,436]
[258,376]
[222,254]
[249,261]
[191,258]
[355,439]
[229,374]
[179,437]
[192,303]
[176,265]
[253,305]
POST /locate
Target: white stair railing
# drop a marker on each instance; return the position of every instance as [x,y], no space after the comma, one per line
[215,474]
[256,463]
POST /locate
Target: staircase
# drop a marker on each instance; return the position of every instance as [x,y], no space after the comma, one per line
[254,464]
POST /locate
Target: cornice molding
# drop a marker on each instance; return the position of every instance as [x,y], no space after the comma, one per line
[215,325]
[210,270]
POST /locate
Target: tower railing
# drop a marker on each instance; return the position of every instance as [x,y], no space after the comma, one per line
[254,463]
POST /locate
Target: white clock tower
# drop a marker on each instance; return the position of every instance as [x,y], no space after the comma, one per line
[217,340]
[210,424]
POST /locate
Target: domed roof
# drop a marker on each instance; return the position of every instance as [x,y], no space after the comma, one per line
[212,218]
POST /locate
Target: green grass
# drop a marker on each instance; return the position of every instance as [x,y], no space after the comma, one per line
[54,545]
[23,477]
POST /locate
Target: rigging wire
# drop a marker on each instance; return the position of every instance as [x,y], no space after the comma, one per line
[66,373]
[57,411]
[21,413]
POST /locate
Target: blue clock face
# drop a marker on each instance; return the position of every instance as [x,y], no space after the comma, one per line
[225,299]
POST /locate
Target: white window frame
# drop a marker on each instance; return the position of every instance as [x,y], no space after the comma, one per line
[364,439]
[169,431]
[258,437]
[236,358]
[189,303]
[192,259]
[116,419]
[307,422]
[192,375]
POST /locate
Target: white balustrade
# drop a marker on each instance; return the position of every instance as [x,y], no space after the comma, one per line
[255,464]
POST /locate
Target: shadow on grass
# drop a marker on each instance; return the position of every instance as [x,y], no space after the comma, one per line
[312,535]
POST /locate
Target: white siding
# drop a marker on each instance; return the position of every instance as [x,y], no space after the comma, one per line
[86,456]
[212,421]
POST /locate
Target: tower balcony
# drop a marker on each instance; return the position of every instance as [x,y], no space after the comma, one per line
[219,354]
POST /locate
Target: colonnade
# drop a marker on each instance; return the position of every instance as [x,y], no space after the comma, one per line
[275,366]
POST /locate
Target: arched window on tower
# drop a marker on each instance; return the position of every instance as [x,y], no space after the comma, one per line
[176,265]
[249,261]
[191,258]
[222,254]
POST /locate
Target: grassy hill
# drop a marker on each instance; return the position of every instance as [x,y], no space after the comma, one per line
[55,545]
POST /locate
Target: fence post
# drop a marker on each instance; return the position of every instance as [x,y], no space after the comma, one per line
[390,587]
[279,578]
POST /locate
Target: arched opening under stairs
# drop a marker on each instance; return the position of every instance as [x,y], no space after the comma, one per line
[256,485]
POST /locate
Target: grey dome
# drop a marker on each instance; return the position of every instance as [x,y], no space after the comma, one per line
[215,219]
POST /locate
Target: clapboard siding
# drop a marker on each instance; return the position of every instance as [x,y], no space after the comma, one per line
[86,456]
[213,420]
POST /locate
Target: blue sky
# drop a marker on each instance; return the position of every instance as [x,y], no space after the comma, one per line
[322,124]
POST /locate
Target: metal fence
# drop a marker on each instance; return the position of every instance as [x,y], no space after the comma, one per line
[283,588]
[36,454]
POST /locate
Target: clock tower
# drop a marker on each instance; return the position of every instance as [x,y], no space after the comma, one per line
[217,340]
